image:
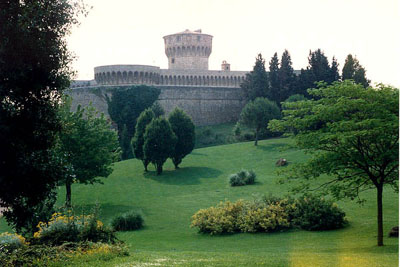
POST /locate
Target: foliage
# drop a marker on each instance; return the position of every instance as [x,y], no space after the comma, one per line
[318,70]
[287,79]
[352,134]
[159,142]
[256,83]
[138,139]
[34,70]
[125,143]
[127,221]
[256,115]
[125,106]
[10,242]
[220,219]
[44,255]
[242,177]
[269,214]
[314,214]
[296,97]
[183,127]
[88,146]
[157,109]
[352,70]
[71,228]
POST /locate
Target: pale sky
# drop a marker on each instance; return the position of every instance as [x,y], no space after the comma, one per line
[130,32]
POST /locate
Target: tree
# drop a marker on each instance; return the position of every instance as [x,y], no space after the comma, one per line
[256,114]
[125,143]
[352,135]
[88,147]
[34,70]
[138,139]
[256,83]
[274,77]
[157,109]
[159,142]
[287,78]
[183,127]
[125,106]
[352,70]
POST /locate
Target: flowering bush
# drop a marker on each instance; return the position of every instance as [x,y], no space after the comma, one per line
[9,242]
[70,228]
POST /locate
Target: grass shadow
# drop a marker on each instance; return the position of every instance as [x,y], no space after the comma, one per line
[271,147]
[107,210]
[184,176]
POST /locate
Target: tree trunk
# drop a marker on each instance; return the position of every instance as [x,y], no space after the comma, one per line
[159,168]
[256,141]
[145,164]
[176,162]
[380,214]
[68,195]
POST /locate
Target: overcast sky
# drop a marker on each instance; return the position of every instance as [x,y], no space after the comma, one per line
[130,32]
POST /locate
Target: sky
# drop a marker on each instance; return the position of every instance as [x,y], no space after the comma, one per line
[130,32]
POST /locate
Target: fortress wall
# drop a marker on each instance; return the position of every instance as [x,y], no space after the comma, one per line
[206,105]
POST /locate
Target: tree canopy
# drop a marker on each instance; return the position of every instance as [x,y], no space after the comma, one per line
[124,108]
[352,135]
[88,146]
[34,70]
[183,127]
[138,139]
[352,70]
[256,83]
[159,142]
[256,115]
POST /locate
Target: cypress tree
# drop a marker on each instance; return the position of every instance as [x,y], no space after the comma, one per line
[286,77]
[256,83]
[274,77]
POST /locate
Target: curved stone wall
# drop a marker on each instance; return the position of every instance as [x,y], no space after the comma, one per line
[126,74]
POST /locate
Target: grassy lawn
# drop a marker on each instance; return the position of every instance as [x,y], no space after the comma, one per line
[168,201]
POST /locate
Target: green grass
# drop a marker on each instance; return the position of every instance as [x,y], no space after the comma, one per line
[168,201]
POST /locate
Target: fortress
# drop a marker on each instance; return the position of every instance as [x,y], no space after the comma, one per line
[208,96]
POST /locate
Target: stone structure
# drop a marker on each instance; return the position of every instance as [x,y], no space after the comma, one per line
[208,96]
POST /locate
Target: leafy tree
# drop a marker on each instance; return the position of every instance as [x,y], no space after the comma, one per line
[125,143]
[296,97]
[157,109]
[34,70]
[88,147]
[352,134]
[335,76]
[183,127]
[138,139]
[256,83]
[159,142]
[256,114]
[353,70]
[124,108]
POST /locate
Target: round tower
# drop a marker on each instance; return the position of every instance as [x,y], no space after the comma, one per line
[188,50]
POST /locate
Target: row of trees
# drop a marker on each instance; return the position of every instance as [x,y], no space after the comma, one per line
[156,139]
[281,82]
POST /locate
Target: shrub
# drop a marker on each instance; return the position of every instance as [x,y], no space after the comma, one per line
[220,219]
[243,177]
[127,222]
[69,228]
[10,242]
[314,213]
[260,217]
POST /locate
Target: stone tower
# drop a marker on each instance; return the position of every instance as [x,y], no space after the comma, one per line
[188,50]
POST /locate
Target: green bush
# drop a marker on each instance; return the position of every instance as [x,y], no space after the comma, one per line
[127,222]
[70,228]
[269,214]
[314,213]
[243,177]
[10,242]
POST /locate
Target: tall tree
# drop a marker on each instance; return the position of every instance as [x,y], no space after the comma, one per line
[88,146]
[183,127]
[34,70]
[256,83]
[138,139]
[335,76]
[287,78]
[159,142]
[353,70]
[352,134]
[256,115]
[124,108]
[275,84]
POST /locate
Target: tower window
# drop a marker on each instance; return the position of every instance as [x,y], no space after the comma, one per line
[173,60]
[198,38]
